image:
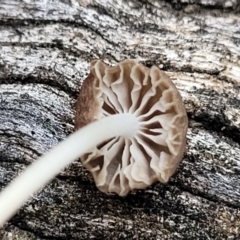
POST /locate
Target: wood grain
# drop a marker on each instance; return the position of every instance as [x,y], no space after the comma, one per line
[45,50]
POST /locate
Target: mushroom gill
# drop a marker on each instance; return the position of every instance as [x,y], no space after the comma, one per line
[154,151]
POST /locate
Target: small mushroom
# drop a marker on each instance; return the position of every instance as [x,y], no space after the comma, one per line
[130,131]
[155,148]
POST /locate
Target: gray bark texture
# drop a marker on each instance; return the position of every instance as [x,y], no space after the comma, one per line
[45,50]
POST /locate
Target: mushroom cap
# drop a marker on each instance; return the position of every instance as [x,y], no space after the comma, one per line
[153,154]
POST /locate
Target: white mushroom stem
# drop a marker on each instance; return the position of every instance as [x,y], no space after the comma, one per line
[44,169]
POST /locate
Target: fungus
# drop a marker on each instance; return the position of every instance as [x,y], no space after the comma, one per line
[130,131]
[153,151]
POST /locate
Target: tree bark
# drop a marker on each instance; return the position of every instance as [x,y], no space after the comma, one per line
[45,50]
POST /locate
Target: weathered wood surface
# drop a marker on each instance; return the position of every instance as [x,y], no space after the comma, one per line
[45,47]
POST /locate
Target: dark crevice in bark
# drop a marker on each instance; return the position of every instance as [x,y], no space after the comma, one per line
[180,5]
[186,69]
[42,109]
[4,160]
[18,137]
[16,23]
[109,11]
[133,26]
[28,22]
[218,123]
[56,44]
[97,32]
[38,79]
[15,134]
[203,195]
[219,7]
[71,178]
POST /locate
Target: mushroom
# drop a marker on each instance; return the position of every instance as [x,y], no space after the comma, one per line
[130,131]
[150,153]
